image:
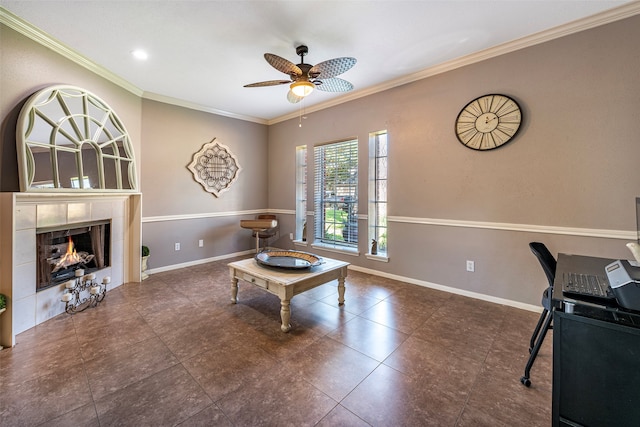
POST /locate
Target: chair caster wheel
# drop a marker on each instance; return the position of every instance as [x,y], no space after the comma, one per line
[526,381]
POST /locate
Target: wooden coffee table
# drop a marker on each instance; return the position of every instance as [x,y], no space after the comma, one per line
[287,283]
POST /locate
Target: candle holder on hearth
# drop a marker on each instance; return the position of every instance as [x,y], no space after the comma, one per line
[84,292]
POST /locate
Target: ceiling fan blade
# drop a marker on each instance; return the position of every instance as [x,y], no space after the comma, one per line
[332,67]
[269,83]
[283,65]
[334,84]
[293,98]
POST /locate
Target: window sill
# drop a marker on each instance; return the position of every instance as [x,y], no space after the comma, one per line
[379,258]
[336,249]
[301,243]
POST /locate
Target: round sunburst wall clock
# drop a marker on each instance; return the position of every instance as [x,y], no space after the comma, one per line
[215,167]
[488,122]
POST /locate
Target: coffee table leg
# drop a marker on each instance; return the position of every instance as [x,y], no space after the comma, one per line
[340,290]
[285,315]
[234,289]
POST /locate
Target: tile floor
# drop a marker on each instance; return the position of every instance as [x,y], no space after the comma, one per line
[173,351]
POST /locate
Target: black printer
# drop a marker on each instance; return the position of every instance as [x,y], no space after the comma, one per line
[624,280]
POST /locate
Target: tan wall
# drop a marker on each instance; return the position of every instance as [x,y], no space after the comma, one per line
[165,137]
[171,137]
[573,165]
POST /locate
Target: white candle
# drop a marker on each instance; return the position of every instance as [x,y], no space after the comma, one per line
[79,272]
[106,280]
[91,276]
[66,297]
[94,290]
[70,284]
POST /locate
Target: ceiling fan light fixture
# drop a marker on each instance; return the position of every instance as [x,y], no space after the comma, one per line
[302,88]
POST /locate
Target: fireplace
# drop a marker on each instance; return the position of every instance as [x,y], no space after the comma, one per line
[62,250]
[26,215]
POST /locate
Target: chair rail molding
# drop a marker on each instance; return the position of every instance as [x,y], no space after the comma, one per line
[527,228]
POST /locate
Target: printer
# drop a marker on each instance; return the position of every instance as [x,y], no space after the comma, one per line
[624,280]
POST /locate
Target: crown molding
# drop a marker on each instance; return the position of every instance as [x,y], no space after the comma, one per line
[26,29]
[181,103]
[606,17]
[625,11]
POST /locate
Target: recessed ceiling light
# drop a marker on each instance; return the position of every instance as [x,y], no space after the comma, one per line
[140,54]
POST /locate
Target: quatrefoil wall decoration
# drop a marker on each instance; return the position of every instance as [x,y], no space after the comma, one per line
[215,167]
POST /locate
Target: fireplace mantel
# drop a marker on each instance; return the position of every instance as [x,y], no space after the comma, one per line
[22,213]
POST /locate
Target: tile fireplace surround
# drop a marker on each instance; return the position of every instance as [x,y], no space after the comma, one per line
[21,214]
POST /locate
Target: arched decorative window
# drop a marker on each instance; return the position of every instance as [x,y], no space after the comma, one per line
[69,139]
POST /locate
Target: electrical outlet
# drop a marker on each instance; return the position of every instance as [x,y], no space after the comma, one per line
[200,243]
[290,236]
[177,246]
[471,266]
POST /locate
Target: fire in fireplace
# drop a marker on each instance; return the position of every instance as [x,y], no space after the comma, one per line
[62,250]
[70,258]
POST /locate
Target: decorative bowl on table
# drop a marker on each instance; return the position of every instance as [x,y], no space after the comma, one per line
[288,259]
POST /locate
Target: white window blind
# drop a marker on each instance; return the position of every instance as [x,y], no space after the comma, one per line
[336,194]
[378,156]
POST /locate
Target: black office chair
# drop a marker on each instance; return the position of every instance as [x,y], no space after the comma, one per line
[548,263]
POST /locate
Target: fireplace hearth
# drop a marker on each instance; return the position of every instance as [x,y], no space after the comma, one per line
[63,250]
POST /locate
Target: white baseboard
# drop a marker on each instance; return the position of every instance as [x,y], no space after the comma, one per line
[198,262]
[476,295]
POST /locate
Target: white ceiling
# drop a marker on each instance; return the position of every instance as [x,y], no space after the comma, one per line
[201,53]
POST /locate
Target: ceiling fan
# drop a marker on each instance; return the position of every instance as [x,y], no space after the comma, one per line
[306,77]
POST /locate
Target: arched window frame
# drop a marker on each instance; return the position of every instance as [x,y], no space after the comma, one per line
[65,121]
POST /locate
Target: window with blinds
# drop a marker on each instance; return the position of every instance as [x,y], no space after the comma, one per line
[336,194]
[377,216]
[301,192]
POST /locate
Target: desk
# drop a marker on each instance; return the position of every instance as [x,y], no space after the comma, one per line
[287,283]
[596,356]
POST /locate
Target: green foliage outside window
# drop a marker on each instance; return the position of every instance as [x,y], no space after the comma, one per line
[334,220]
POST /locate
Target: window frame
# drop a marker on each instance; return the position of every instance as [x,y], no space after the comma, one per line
[336,193]
[378,203]
[301,193]
[62,125]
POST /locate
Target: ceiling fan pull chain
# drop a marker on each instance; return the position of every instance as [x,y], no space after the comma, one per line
[302,113]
